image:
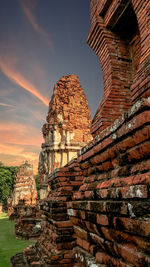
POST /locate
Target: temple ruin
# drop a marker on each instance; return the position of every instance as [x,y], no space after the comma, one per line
[67,129]
[24,186]
[97,212]
[23,206]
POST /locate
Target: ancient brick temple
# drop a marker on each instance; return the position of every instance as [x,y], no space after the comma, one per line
[67,128]
[23,207]
[97,212]
[24,186]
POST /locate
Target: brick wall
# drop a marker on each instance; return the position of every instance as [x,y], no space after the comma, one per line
[110,212]
[119,36]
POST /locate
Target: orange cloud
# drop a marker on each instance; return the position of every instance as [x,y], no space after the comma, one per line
[17,133]
[27,7]
[19,143]
[14,156]
[17,151]
[19,79]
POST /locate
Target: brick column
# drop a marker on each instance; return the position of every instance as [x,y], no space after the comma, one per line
[116,65]
[141,84]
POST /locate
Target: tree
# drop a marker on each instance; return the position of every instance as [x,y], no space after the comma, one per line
[7,175]
[6,184]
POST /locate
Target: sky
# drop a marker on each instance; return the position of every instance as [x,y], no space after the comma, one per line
[40,41]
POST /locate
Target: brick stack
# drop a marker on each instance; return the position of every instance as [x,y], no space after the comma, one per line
[111,211]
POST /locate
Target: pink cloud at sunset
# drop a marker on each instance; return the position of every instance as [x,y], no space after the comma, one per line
[19,79]
[27,8]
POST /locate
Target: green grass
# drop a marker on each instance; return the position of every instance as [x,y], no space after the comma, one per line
[9,245]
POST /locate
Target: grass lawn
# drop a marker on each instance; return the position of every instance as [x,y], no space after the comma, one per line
[9,245]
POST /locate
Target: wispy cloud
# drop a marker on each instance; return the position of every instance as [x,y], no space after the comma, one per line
[27,8]
[38,115]
[5,105]
[8,69]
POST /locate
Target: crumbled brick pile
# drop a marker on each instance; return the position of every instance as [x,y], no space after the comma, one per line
[28,222]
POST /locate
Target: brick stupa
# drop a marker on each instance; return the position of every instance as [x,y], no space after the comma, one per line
[24,186]
[67,128]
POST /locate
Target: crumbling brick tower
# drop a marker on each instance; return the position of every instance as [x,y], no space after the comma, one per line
[120,37]
[23,207]
[67,129]
[24,186]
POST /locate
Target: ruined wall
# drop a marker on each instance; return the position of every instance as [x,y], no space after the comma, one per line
[98,209]
[110,212]
[28,221]
[67,128]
